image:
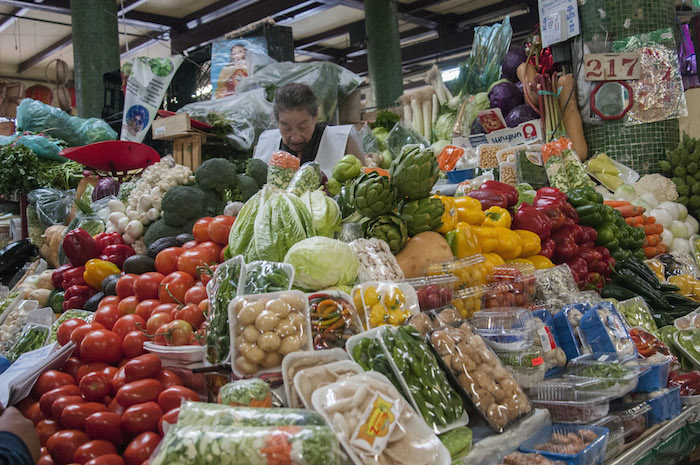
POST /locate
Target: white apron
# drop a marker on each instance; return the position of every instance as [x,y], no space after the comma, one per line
[336,142]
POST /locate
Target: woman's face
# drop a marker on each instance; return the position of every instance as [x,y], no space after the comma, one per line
[237,53]
[297,127]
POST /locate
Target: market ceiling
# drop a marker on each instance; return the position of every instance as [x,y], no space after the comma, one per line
[35,32]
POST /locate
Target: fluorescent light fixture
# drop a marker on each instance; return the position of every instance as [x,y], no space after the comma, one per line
[450,74]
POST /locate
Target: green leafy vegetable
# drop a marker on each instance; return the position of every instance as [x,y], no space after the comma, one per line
[320,262]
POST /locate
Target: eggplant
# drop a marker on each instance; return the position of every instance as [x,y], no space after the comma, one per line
[14,256]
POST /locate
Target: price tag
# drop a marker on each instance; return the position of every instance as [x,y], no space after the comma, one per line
[537,361]
[376,424]
[612,66]
[546,339]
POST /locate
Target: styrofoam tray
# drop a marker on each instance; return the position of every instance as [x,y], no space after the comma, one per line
[11,307]
[373,333]
[306,372]
[322,356]
[627,175]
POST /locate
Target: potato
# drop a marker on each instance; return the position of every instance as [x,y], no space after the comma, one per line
[249,313]
[289,344]
[422,250]
[266,321]
[279,307]
[269,341]
[245,366]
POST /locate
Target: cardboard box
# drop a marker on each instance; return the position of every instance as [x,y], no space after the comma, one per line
[172,127]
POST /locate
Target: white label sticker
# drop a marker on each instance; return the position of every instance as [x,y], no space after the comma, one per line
[376,424]
[546,339]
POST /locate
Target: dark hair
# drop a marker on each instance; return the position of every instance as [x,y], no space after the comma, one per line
[295,96]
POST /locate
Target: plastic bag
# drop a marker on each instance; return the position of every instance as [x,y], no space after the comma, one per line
[376,261]
[370,143]
[331,83]
[401,135]
[307,178]
[52,205]
[281,169]
[221,290]
[207,414]
[35,116]
[248,113]
[42,146]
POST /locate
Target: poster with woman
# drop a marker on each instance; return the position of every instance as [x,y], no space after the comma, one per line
[230,62]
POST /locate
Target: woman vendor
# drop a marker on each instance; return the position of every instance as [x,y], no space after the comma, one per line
[299,132]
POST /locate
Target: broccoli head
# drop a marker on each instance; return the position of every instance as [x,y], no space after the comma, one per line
[695,189]
[690,180]
[683,200]
[181,204]
[213,203]
[257,169]
[217,174]
[665,166]
[678,181]
[245,188]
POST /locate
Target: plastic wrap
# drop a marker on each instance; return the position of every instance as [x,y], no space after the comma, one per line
[424,322]
[554,287]
[487,155]
[568,326]
[222,288]
[299,445]
[33,337]
[469,271]
[367,350]
[605,330]
[297,361]
[529,165]
[576,445]
[333,319]
[401,135]
[15,320]
[546,338]
[208,414]
[634,420]
[384,303]
[307,178]
[487,384]
[376,262]
[636,313]
[403,438]
[281,169]
[262,277]
[609,375]
[567,404]
[307,381]
[266,327]
[44,147]
[526,366]
[52,206]
[505,329]
[246,393]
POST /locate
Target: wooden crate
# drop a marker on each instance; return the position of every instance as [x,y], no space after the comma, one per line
[187,142]
[187,150]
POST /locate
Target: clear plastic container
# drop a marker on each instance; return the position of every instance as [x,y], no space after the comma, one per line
[375,260]
[526,366]
[568,326]
[468,301]
[547,339]
[297,361]
[589,449]
[508,173]
[616,438]
[505,329]
[260,277]
[506,155]
[333,319]
[425,322]
[183,354]
[505,294]
[610,374]
[512,272]
[487,155]
[306,381]
[11,307]
[469,271]
[434,291]
[386,303]
[634,420]
[567,404]
[605,330]
[655,377]
[636,314]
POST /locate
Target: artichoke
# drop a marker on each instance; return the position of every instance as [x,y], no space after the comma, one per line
[421,215]
[414,172]
[373,195]
[389,228]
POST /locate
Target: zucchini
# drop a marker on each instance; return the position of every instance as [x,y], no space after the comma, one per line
[615,291]
[635,283]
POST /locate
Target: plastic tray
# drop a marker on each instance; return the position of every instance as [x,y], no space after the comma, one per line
[250,267]
[505,329]
[687,334]
[314,358]
[664,407]
[627,175]
[468,301]
[547,338]
[353,325]
[348,368]
[383,289]
[11,307]
[184,354]
[616,437]
[425,322]
[566,404]
[655,378]
[570,336]
[526,366]
[635,312]
[591,455]
[690,400]
[505,294]
[469,270]
[687,321]
[611,387]
[304,323]
[554,286]
[607,332]
[634,420]
[434,291]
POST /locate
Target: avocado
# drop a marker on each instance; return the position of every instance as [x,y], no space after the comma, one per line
[162,244]
[94,301]
[139,264]
[109,284]
[184,237]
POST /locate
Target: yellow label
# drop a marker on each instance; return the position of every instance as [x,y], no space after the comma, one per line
[376,424]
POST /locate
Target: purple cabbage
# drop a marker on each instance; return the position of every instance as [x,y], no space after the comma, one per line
[511,61]
[104,188]
[520,114]
[506,96]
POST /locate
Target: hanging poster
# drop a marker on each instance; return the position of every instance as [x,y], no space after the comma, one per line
[231,61]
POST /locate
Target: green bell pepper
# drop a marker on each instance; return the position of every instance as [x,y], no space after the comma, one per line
[607,234]
[620,254]
[590,214]
[584,196]
[56,300]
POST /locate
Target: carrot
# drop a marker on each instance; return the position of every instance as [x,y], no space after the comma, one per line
[379,171]
[663,247]
[651,252]
[635,220]
[649,220]
[651,240]
[616,203]
[650,229]
[629,210]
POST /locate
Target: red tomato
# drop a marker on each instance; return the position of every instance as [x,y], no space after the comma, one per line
[62,445]
[132,344]
[173,287]
[50,380]
[138,392]
[189,245]
[61,403]
[173,396]
[166,260]
[200,231]
[101,346]
[169,418]
[125,285]
[195,294]
[220,227]
[95,386]
[141,448]
[142,367]
[156,321]
[105,425]
[93,449]
[127,324]
[114,407]
[67,328]
[109,459]
[109,300]
[165,308]
[212,249]
[189,260]
[46,429]
[74,416]
[203,306]
[140,418]
[205,275]
[119,380]
[71,366]
[79,334]
[50,397]
[168,378]
[159,337]
[45,459]
[178,333]
[145,308]
[146,286]
[107,316]
[190,313]
[34,413]
[110,371]
[89,368]
[128,305]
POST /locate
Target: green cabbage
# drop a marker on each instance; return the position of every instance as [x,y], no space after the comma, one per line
[325,213]
[320,263]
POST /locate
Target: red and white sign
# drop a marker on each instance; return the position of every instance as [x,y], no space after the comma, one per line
[612,66]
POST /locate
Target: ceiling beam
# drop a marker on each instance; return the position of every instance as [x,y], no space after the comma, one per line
[409,18]
[418,5]
[305,14]
[45,53]
[10,18]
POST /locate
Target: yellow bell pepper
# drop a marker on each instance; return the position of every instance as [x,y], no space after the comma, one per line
[463,241]
[541,262]
[657,267]
[509,243]
[488,238]
[686,283]
[497,217]
[97,270]
[491,260]
[449,218]
[469,210]
[530,242]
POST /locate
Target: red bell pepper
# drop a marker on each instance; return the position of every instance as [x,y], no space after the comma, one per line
[594,281]
[689,382]
[106,239]
[73,277]
[510,192]
[76,296]
[489,198]
[590,255]
[117,253]
[598,267]
[603,251]
[57,276]
[553,197]
[578,268]
[554,215]
[79,247]
[531,219]
[589,234]
[548,246]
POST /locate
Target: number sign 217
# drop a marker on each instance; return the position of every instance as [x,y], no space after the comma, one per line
[612,66]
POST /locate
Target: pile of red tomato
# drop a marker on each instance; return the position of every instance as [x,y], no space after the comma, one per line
[108,403]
